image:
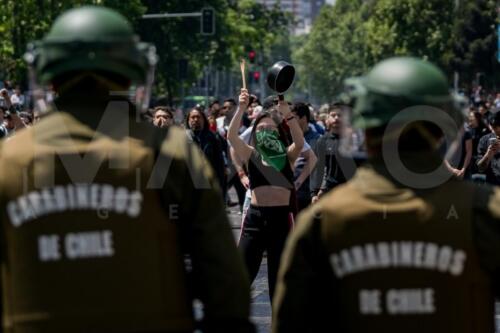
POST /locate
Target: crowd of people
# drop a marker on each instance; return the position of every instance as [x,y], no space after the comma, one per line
[281,157]
[317,169]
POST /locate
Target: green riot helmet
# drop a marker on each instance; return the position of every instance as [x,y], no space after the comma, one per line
[91,39]
[402,90]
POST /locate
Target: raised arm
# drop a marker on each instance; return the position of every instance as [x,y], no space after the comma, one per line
[311,160]
[318,173]
[241,149]
[297,136]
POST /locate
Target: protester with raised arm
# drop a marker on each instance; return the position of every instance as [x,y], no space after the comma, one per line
[268,159]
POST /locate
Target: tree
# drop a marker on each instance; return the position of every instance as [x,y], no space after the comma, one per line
[237,25]
[411,28]
[475,41]
[180,39]
[23,21]
[335,48]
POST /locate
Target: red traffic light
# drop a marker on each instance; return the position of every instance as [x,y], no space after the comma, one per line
[256,76]
[251,56]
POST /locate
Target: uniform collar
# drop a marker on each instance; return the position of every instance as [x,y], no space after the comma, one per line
[374,179]
[372,184]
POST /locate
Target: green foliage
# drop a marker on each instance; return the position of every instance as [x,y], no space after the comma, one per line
[411,27]
[352,36]
[335,48]
[23,21]
[475,42]
[238,26]
[253,26]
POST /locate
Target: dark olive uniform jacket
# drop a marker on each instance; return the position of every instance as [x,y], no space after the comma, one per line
[97,218]
[375,256]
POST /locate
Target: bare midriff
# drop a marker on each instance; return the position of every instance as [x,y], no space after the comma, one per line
[268,195]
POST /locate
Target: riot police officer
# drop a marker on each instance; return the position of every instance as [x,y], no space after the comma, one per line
[402,247]
[100,210]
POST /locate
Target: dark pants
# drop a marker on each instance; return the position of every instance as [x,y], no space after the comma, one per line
[303,201]
[265,229]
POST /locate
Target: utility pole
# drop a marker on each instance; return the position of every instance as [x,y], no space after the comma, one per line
[456,75]
[263,76]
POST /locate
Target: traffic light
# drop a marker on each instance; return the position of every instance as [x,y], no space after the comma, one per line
[251,56]
[256,76]
[207,21]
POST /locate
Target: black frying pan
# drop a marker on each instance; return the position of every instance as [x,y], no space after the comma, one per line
[280,77]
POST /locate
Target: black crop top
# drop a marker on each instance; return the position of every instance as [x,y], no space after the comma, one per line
[261,175]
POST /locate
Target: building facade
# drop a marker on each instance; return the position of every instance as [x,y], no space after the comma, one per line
[303,11]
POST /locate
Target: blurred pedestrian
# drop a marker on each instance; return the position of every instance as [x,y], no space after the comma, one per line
[198,132]
[488,151]
[163,116]
[329,171]
[307,160]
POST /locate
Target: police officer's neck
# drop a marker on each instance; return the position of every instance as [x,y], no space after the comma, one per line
[421,162]
[91,109]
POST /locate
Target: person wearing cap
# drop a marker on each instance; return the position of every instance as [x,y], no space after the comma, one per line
[110,224]
[403,246]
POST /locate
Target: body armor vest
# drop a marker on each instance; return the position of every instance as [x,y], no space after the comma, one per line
[405,262]
[87,247]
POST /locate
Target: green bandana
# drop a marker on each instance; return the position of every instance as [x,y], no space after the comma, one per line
[271,148]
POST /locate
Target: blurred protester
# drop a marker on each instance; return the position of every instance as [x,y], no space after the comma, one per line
[12,122]
[328,172]
[496,102]
[36,116]
[226,114]
[303,114]
[197,131]
[307,159]
[17,98]
[459,162]
[320,119]
[489,152]
[147,116]
[478,129]
[312,121]
[3,130]
[254,108]
[26,117]
[268,159]
[477,95]
[214,108]
[485,112]
[163,116]
[212,123]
